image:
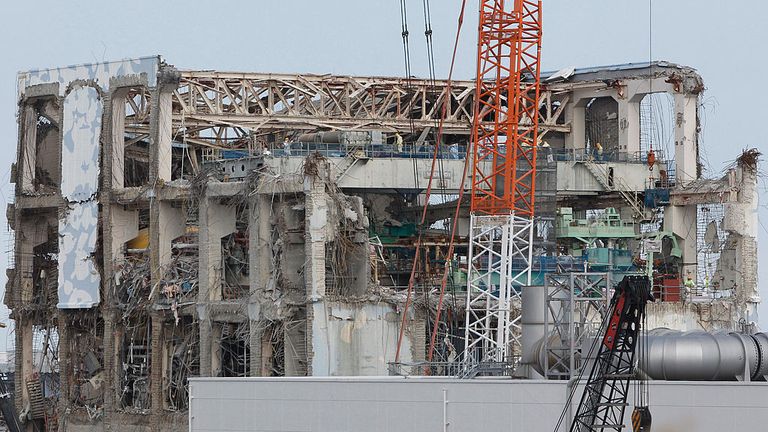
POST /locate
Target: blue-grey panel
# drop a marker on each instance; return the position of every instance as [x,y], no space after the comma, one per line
[98,73]
[80,148]
[78,277]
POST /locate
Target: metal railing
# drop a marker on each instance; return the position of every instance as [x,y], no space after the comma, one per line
[580,155]
[371,150]
[682,293]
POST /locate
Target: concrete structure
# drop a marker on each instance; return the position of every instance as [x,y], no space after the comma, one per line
[427,404]
[170,224]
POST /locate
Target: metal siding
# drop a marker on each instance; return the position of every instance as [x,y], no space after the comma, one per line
[403,405]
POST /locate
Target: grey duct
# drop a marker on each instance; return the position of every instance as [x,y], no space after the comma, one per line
[670,355]
[701,356]
[356,138]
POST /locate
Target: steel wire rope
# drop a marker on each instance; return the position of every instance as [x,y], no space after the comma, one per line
[409,293]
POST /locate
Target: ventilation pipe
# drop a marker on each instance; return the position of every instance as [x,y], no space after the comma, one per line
[700,356]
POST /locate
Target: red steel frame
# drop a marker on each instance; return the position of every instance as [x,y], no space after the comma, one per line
[506,120]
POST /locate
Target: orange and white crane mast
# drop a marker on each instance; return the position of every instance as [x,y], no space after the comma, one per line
[504,141]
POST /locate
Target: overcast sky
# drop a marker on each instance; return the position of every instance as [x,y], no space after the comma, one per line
[723,40]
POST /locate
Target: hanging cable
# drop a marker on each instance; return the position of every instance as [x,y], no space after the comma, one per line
[409,294]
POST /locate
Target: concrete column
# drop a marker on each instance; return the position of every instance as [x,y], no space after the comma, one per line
[740,222]
[110,359]
[260,242]
[686,138]
[118,139]
[260,271]
[629,125]
[24,361]
[316,226]
[215,347]
[256,334]
[205,346]
[216,221]
[65,367]
[156,372]
[575,115]
[165,134]
[161,131]
[29,149]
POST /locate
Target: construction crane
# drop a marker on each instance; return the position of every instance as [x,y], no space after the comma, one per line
[604,399]
[504,141]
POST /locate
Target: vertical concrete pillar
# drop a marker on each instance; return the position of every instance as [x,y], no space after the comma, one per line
[161,133]
[629,125]
[740,221]
[165,133]
[686,138]
[316,225]
[28,156]
[215,347]
[216,221]
[260,271]
[575,116]
[206,336]
[256,334]
[65,366]
[110,360]
[24,361]
[156,371]
[117,141]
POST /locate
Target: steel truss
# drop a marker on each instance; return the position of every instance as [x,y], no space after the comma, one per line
[577,303]
[505,136]
[500,256]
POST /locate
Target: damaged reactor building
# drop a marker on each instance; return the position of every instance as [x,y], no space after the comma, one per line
[171,224]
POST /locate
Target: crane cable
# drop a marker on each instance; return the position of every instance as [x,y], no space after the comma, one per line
[409,294]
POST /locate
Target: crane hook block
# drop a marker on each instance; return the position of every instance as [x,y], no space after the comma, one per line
[641,419]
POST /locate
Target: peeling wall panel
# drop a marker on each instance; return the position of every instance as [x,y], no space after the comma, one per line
[100,73]
[79,278]
[80,148]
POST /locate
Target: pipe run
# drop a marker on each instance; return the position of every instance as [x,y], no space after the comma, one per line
[701,356]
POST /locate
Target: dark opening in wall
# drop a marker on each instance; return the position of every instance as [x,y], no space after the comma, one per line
[136,146]
[235,350]
[602,124]
[135,363]
[86,353]
[45,271]
[234,254]
[183,362]
[48,162]
[41,150]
